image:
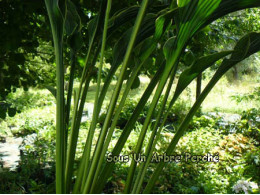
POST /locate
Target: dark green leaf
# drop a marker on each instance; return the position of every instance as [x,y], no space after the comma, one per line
[72,22]
[76,41]
[52,90]
[3,111]
[11,112]
[136,83]
[189,58]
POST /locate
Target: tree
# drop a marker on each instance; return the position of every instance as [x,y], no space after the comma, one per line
[23,29]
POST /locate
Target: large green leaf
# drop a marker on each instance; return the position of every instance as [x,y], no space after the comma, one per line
[192,14]
[73,27]
[246,46]
[195,69]
[56,18]
[122,17]
[196,14]
[127,15]
[72,21]
[146,30]
[120,48]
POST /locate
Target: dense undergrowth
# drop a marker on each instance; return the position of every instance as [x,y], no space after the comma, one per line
[236,141]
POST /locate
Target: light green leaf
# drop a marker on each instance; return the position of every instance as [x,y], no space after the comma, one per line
[162,22]
[196,68]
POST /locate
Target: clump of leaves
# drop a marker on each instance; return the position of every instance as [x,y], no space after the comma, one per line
[255,95]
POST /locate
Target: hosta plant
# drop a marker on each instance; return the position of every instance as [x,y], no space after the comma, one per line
[133,34]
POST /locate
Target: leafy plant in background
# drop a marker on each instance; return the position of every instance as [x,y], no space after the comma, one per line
[181,18]
[19,49]
[255,95]
[250,122]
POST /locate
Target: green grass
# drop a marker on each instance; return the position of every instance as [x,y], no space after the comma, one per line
[135,93]
[219,99]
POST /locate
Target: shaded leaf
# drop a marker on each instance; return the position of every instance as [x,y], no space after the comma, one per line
[52,90]
[3,110]
[136,83]
[11,112]
[76,41]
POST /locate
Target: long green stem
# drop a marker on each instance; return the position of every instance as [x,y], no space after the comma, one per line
[129,83]
[60,132]
[76,125]
[149,148]
[137,25]
[74,138]
[150,154]
[96,105]
[57,26]
[69,95]
[107,170]
[76,119]
[84,162]
[145,126]
[115,119]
